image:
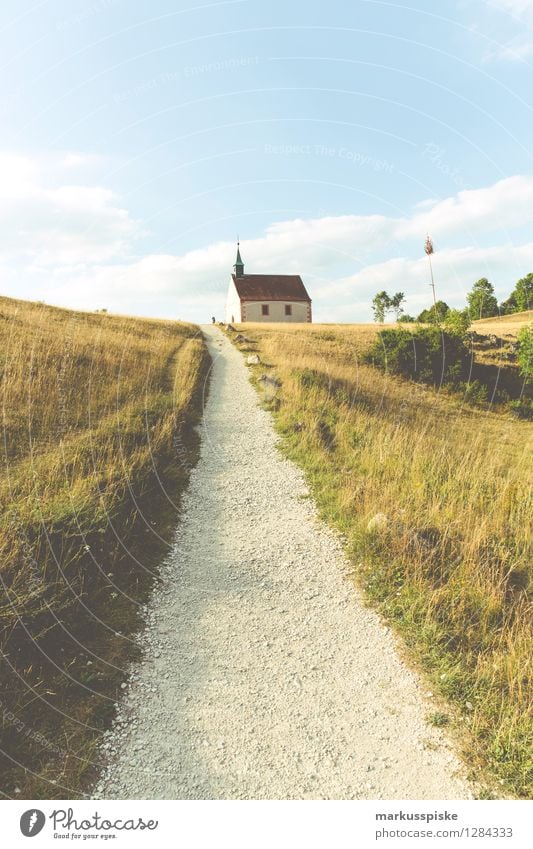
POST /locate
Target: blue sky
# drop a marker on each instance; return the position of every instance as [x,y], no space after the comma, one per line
[139,138]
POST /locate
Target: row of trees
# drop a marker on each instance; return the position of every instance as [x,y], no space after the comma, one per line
[481,303]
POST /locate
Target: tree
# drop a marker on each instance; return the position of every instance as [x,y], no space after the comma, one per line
[457,322]
[435,314]
[521,298]
[523,293]
[407,319]
[481,300]
[396,304]
[525,351]
[508,306]
[381,305]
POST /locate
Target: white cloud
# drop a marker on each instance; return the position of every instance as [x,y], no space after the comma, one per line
[325,240]
[78,160]
[74,245]
[17,177]
[57,224]
[502,206]
[513,36]
[454,271]
[515,50]
[516,7]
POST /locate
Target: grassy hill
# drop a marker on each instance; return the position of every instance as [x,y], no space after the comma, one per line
[504,325]
[97,414]
[433,497]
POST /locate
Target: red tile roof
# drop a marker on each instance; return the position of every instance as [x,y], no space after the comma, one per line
[270,287]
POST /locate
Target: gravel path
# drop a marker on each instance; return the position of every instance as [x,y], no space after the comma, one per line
[264,675]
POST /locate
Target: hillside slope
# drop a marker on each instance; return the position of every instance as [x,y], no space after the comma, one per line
[433,496]
[506,325]
[263,675]
[97,414]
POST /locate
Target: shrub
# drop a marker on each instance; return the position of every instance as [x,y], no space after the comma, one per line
[474,392]
[428,354]
[309,378]
[457,321]
[522,409]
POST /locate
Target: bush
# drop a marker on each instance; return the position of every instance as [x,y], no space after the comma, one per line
[457,322]
[428,354]
[309,378]
[522,409]
[474,392]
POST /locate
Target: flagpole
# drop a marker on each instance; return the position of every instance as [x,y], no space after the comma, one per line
[428,247]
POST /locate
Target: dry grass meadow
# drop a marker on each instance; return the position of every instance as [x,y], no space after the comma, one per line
[97,416]
[98,440]
[448,560]
[504,325]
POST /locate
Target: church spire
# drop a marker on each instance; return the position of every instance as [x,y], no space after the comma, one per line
[239,264]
